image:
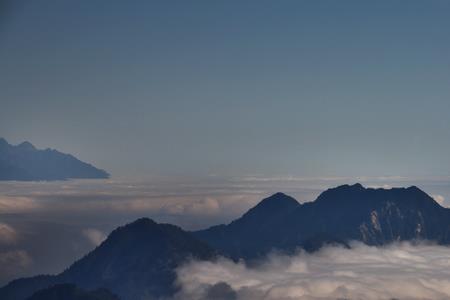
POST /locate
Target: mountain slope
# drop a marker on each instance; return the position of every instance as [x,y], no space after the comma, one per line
[250,235]
[24,163]
[71,292]
[373,216]
[136,261]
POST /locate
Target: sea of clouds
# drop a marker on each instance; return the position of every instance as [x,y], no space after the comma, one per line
[399,271]
[46,226]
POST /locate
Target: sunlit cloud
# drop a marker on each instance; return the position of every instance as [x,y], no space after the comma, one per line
[439,199]
[399,271]
[15,258]
[8,235]
[13,262]
[186,199]
[17,204]
[383,186]
[35,209]
[95,236]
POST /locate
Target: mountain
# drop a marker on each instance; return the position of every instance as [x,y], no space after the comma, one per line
[137,261]
[71,292]
[338,215]
[251,235]
[24,162]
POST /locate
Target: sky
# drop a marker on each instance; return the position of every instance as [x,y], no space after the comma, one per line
[231,88]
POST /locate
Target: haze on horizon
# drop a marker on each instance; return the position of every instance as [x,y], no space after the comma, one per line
[301,88]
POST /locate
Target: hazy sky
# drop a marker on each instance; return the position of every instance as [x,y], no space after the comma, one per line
[306,88]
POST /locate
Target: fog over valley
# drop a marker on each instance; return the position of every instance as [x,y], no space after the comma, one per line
[47,225]
[398,271]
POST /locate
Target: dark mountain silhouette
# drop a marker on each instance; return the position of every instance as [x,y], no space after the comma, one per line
[25,163]
[23,288]
[373,216]
[72,292]
[252,234]
[138,261]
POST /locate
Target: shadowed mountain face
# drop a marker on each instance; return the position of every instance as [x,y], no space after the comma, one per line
[373,216]
[25,163]
[138,261]
[252,234]
[71,292]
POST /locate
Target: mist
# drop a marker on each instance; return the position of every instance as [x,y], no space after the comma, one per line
[398,271]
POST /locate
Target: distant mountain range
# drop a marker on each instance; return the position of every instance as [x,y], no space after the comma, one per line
[138,261]
[26,163]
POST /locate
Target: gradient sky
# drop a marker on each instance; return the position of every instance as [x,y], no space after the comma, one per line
[306,88]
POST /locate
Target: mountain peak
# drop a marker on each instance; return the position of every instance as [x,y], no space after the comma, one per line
[141,247]
[142,222]
[352,187]
[24,162]
[414,188]
[139,228]
[26,146]
[276,201]
[357,195]
[270,207]
[342,191]
[357,186]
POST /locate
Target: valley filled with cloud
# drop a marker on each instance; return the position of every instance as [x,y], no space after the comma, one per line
[398,271]
[45,226]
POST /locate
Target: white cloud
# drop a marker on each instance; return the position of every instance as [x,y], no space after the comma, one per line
[13,263]
[382,186]
[16,204]
[401,271]
[206,206]
[95,236]
[439,199]
[8,235]
[16,258]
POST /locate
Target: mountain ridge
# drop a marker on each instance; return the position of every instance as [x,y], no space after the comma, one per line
[338,215]
[24,162]
[71,292]
[138,260]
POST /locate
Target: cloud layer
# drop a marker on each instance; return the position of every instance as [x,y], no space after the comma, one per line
[399,271]
[95,236]
[8,235]
[56,223]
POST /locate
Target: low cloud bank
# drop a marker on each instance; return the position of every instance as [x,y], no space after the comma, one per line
[439,199]
[398,271]
[56,223]
[95,236]
[13,262]
[8,235]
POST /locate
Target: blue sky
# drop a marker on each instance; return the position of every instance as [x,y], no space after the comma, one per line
[232,88]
